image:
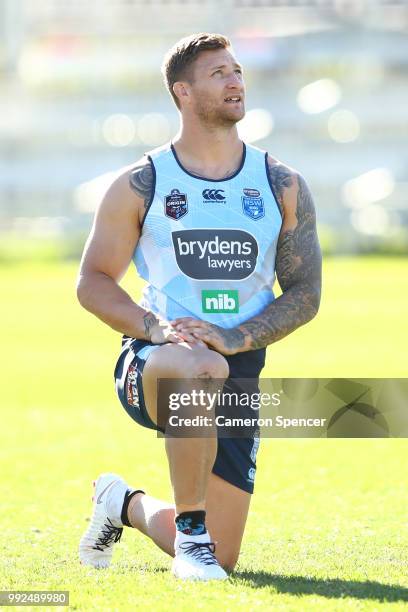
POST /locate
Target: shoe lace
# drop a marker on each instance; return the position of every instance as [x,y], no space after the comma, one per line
[202,551]
[110,534]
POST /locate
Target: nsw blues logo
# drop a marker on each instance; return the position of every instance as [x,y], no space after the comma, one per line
[252,204]
[176,204]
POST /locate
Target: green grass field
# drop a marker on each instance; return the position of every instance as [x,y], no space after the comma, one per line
[328,523]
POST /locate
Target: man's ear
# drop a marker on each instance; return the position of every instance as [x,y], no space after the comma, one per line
[181,90]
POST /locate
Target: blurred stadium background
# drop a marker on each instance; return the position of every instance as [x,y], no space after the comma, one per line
[81,96]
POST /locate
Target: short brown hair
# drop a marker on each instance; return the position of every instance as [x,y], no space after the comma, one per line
[179,59]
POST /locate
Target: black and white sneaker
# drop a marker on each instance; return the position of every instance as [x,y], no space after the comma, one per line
[194,558]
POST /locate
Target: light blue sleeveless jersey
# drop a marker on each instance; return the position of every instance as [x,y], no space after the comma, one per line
[207,247]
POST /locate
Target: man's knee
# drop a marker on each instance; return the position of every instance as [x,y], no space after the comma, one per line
[184,363]
[209,364]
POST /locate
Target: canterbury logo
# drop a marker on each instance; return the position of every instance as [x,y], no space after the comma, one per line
[215,195]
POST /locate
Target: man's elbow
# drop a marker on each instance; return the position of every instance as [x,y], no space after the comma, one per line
[83,293]
[313,303]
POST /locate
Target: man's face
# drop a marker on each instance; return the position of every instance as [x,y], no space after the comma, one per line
[218,89]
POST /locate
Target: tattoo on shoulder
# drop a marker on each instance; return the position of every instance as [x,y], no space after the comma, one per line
[141,181]
[281,178]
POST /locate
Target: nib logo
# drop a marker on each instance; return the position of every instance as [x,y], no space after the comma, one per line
[220,300]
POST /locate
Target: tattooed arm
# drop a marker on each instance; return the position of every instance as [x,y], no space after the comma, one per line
[298,269]
[107,255]
[298,263]
[141,181]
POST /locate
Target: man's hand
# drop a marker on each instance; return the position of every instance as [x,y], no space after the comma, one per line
[160,331]
[224,341]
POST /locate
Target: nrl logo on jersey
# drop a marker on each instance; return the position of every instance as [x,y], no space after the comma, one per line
[252,204]
[176,204]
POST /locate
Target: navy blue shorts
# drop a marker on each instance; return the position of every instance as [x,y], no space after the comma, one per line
[236,457]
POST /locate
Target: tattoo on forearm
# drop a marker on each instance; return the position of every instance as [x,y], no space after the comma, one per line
[232,338]
[149,320]
[141,181]
[298,269]
[283,316]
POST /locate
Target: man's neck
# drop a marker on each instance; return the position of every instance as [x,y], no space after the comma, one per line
[214,153]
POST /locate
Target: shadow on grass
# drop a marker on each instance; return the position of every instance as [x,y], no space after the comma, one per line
[333,588]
